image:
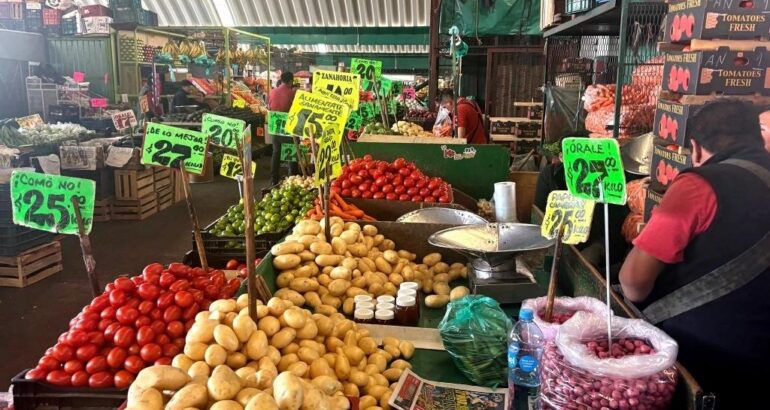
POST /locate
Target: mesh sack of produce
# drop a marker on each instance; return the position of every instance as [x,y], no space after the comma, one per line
[649,74]
[475,333]
[635,119]
[630,228]
[564,308]
[596,121]
[581,371]
[599,96]
[636,193]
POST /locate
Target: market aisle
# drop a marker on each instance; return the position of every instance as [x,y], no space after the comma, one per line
[36,315]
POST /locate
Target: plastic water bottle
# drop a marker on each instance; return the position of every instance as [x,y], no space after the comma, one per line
[525,349]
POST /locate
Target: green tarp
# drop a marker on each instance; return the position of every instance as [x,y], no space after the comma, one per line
[503,18]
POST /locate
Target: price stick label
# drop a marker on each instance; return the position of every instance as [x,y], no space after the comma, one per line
[367,110]
[354,121]
[166,146]
[231,166]
[30,121]
[392,106]
[588,161]
[573,213]
[386,86]
[318,114]
[398,87]
[343,84]
[289,152]
[276,122]
[369,70]
[328,159]
[238,103]
[124,119]
[44,202]
[224,131]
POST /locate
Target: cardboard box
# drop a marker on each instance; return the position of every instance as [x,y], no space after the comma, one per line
[96,10]
[722,71]
[665,166]
[96,25]
[651,202]
[710,19]
[671,121]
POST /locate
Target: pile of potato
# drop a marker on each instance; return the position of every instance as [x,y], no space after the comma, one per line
[289,359]
[410,129]
[326,276]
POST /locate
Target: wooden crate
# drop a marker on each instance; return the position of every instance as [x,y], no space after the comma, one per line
[103,209]
[131,185]
[135,210]
[30,266]
[163,178]
[165,198]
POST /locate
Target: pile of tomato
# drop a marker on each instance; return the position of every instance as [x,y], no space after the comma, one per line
[136,322]
[399,180]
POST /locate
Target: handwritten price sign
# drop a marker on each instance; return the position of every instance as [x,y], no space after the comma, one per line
[343,84]
[124,119]
[44,202]
[369,70]
[224,131]
[590,162]
[328,165]
[231,166]
[276,122]
[320,115]
[367,110]
[167,146]
[354,121]
[289,152]
[573,213]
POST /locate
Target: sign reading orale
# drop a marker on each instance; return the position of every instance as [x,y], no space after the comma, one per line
[44,202]
[167,146]
[589,162]
[343,84]
[224,131]
[124,119]
[573,213]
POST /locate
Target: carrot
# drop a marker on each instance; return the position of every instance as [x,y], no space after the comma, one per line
[341,202]
[355,212]
[318,209]
[335,208]
[367,218]
[342,215]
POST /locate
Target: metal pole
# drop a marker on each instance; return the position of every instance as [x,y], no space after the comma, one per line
[85,249]
[434,57]
[607,261]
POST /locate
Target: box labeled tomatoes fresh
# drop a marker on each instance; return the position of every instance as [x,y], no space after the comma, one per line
[723,71]
[711,19]
[666,165]
[651,201]
[671,121]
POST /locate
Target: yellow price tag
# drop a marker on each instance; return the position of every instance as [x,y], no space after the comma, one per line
[343,84]
[316,114]
[238,103]
[328,165]
[572,212]
[30,121]
[231,166]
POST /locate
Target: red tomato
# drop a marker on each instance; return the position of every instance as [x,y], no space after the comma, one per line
[153,280]
[404,197]
[231,264]
[100,302]
[86,325]
[184,298]
[425,192]
[96,364]
[367,194]
[211,291]
[116,357]
[138,280]
[181,284]
[200,282]
[345,192]
[158,326]
[416,198]
[421,183]
[123,379]
[172,313]
[118,298]
[152,269]
[399,163]
[142,321]
[144,335]
[110,287]
[165,300]
[100,380]
[355,180]
[104,351]
[391,197]
[409,182]
[134,349]
[73,366]
[166,280]
[86,352]
[430,199]
[79,379]
[148,291]
[443,199]
[190,312]
[355,193]
[126,315]
[124,337]
[404,172]
[413,191]
[124,284]
[378,195]
[156,314]
[364,187]
[170,349]
[107,313]
[77,338]
[151,352]
[162,339]
[96,338]
[399,189]
[132,302]
[36,374]
[48,363]
[109,332]
[175,329]
[133,364]
[104,323]
[178,268]
[198,294]
[63,352]
[205,304]
[58,378]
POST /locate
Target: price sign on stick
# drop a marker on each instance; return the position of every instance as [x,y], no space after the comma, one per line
[367,110]
[320,115]
[328,165]
[231,166]
[238,103]
[573,213]
[354,121]
[591,162]
[167,146]
[369,70]
[386,86]
[276,122]
[289,152]
[224,131]
[343,84]
[124,119]
[44,202]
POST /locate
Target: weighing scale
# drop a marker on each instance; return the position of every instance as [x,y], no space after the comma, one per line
[438,215]
[492,250]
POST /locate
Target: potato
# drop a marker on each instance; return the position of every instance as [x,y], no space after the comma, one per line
[283,338]
[328,260]
[441,277]
[431,259]
[326,310]
[256,346]
[341,365]
[181,361]
[407,349]
[393,374]
[162,378]
[340,402]
[243,327]
[294,317]
[320,367]
[270,325]
[436,301]
[262,311]
[327,384]
[329,299]
[202,331]
[458,292]
[225,337]
[193,395]
[349,306]
[246,394]
[339,246]
[380,380]
[321,248]
[226,405]
[315,399]
[303,285]
[324,324]
[265,377]
[350,236]
[300,369]
[393,351]
[368,345]
[354,353]
[195,351]
[441,288]
[275,306]
[199,369]
[366,402]
[359,378]
[144,398]
[292,296]
[236,360]
[378,359]
[248,376]
[215,355]
[377,391]
[306,240]
[223,305]
[306,255]
[261,401]
[283,262]
[312,299]
[309,331]
[307,227]
[223,384]
[287,248]
[288,391]
[401,364]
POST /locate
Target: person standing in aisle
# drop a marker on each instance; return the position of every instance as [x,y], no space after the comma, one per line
[280,99]
[700,269]
[470,119]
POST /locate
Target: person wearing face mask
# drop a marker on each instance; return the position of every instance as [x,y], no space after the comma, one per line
[700,269]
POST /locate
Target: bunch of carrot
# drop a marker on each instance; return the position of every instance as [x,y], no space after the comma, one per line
[338,207]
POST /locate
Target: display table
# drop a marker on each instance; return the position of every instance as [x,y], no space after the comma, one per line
[403,139]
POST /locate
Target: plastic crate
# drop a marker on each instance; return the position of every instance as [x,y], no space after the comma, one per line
[96,10]
[578,6]
[32,395]
[51,17]
[126,15]
[128,4]
[236,245]
[11,11]
[69,26]
[148,18]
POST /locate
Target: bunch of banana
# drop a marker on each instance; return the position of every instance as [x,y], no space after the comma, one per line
[185,47]
[223,55]
[251,57]
[239,57]
[197,50]
[261,55]
[170,48]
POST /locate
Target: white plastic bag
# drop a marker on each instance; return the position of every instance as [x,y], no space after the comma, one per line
[562,305]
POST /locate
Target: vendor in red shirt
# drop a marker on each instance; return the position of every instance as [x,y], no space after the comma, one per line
[280,99]
[470,119]
[700,269]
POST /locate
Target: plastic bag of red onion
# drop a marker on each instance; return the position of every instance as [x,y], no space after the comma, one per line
[563,309]
[582,371]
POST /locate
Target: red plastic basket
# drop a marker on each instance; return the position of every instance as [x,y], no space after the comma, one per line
[51,17]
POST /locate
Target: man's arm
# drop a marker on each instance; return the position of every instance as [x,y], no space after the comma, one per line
[460,132]
[638,274]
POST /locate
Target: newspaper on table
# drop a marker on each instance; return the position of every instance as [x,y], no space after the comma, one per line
[415,393]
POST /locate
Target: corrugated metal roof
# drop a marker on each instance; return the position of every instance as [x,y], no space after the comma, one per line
[360,49]
[291,13]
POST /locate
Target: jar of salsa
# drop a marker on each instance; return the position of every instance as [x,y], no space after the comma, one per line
[365,305]
[407,311]
[384,306]
[365,316]
[384,317]
[386,299]
[362,298]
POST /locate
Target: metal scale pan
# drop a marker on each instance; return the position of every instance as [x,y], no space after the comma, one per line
[438,215]
[492,250]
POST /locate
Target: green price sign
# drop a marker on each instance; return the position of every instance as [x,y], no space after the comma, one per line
[354,121]
[44,202]
[289,152]
[224,131]
[367,110]
[276,122]
[392,105]
[386,86]
[166,146]
[369,70]
[398,87]
[591,162]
